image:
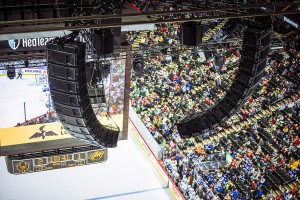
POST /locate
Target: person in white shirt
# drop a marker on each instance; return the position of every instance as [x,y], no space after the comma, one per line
[19,73]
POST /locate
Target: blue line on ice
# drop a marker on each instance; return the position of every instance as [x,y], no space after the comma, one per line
[128,193]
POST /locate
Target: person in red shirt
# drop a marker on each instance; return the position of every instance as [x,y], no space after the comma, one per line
[207,101]
[165,109]
[274,120]
[250,100]
[296,141]
[233,163]
[280,161]
[249,153]
[153,128]
[279,197]
[253,185]
[142,101]
[114,109]
[244,114]
[133,103]
[266,158]
[273,167]
[175,76]
[294,189]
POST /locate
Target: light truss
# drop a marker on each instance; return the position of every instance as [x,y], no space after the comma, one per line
[219,13]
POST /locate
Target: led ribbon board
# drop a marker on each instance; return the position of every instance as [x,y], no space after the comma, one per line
[36,162]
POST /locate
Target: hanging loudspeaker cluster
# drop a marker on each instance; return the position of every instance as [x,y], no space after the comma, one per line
[67,82]
[256,44]
[191,33]
[104,41]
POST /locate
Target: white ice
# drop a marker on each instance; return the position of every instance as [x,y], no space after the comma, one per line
[127,174]
[13,94]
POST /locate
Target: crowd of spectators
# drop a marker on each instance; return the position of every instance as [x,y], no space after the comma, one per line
[45,118]
[265,154]
[160,100]
[114,88]
[274,85]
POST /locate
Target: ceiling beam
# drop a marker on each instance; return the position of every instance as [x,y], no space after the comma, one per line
[163,13]
[53,6]
[41,28]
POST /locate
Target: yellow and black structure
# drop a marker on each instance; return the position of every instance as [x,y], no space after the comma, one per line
[55,159]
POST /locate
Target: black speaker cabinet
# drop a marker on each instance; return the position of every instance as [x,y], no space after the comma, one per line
[104,41]
[256,43]
[190,33]
[67,82]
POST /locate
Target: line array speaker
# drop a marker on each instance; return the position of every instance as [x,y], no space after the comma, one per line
[67,81]
[191,33]
[256,44]
[104,41]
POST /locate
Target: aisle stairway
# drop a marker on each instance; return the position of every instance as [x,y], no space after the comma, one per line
[283,188]
[267,112]
[143,34]
[252,119]
[159,8]
[211,32]
[138,39]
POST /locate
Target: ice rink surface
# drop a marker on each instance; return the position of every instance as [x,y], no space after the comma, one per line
[13,94]
[126,175]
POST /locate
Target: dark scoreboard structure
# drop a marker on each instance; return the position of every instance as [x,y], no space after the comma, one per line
[33,163]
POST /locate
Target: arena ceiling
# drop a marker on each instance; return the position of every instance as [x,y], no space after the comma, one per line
[39,18]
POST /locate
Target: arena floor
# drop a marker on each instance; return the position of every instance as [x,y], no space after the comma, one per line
[127,174]
[12,97]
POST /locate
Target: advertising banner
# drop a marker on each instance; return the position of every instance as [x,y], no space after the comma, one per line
[26,44]
[28,71]
[32,134]
[32,71]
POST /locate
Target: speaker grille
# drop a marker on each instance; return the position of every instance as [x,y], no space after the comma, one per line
[256,43]
[67,81]
[190,33]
